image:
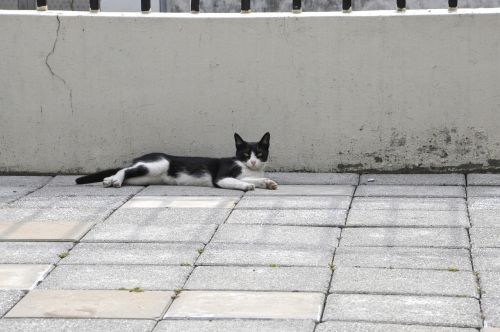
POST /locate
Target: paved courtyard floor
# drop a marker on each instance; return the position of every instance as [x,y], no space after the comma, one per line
[324,252]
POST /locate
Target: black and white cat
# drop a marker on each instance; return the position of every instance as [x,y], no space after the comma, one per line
[245,171]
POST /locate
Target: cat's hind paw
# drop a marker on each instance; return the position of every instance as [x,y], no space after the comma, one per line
[270,184]
[107,182]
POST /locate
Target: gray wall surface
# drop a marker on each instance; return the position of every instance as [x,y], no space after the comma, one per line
[349,92]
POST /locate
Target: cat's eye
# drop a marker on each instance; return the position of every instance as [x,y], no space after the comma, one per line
[259,154]
[246,154]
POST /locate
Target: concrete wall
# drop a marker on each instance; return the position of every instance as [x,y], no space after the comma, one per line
[368,90]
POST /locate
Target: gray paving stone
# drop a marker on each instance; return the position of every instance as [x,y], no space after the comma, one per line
[134,253]
[403,258]
[398,203]
[8,298]
[240,325]
[323,217]
[42,231]
[374,327]
[483,203]
[284,235]
[188,191]
[424,310]
[305,190]
[69,180]
[83,202]
[45,303]
[407,218]
[22,276]
[405,237]
[295,202]
[491,311]
[476,179]
[263,305]
[251,254]
[146,277]
[490,284]
[32,252]
[24,181]
[483,191]
[80,325]
[414,179]
[76,190]
[58,215]
[196,202]
[169,216]
[11,194]
[292,279]
[403,282]
[485,237]
[485,218]
[313,178]
[409,191]
[486,259]
[154,231]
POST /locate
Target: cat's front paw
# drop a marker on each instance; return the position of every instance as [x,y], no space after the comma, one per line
[270,184]
[248,186]
[107,182]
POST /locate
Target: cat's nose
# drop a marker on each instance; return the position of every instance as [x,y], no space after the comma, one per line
[253,162]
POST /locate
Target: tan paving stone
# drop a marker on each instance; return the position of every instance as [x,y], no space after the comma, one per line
[19,276]
[181,202]
[41,231]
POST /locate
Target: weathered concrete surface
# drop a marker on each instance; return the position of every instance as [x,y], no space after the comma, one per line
[81,325]
[240,325]
[304,85]
[374,327]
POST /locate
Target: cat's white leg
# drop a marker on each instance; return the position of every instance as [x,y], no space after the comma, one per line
[115,180]
[263,183]
[232,183]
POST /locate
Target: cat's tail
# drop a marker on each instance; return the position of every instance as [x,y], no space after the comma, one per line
[96,177]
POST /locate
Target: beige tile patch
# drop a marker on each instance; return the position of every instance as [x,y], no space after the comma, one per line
[20,276]
[91,304]
[181,202]
[43,231]
[272,305]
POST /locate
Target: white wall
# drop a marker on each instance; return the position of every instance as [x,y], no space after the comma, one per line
[368,90]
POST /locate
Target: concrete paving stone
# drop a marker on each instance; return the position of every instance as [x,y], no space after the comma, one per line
[423,310]
[490,284]
[284,235]
[407,218]
[240,325]
[158,190]
[78,191]
[251,254]
[491,311]
[400,203]
[8,298]
[108,203]
[414,179]
[323,217]
[22,276]
[483,191]
[263,305]
[169,216]
[11,194]
[24,181]
[155,231]
[483,203]
[80,325]
[146,277]
[403,282]
[48,215]
[291,279]
[403,258]
[480,179]
[134,253]
[198,202]
[45,303]
[42,231]
[305,190]
[295,202]
[32,252]
[486,259]
[374,327]
[405,237]
[485,218]
[313,178]
[409,191]
[485,237]
[69,180]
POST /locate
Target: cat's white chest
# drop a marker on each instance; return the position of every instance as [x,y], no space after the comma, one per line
[249,173]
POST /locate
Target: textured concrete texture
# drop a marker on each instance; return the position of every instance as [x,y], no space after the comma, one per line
[483,191]
[314,178]
[490,284]
[32,252]
[270,305]
[188,191]
[323,217]
[485,237]
[491,309]
[59,215]
[83,202]
[196,202]
[24,181]
[56,191]
[403,282]
[276,278]
[374,327]
[41,231]
[484,218]
[295,202]
[80,325]
[483,203]
[413,179]
[475,179]
[397,203]
[409,191]
[486,259]
[8,298]
[239,325]
[407,218]
[403,258]
[305,190]
[423,310]
[22,276]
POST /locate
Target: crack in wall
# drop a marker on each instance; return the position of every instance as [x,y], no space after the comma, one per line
[54,74]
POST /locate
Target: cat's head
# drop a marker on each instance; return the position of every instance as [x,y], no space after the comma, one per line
[252,154]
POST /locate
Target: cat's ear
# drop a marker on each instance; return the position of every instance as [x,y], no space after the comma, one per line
[264,141]
[238,140]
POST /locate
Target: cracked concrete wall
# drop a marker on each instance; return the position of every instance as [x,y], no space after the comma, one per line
[357,92]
